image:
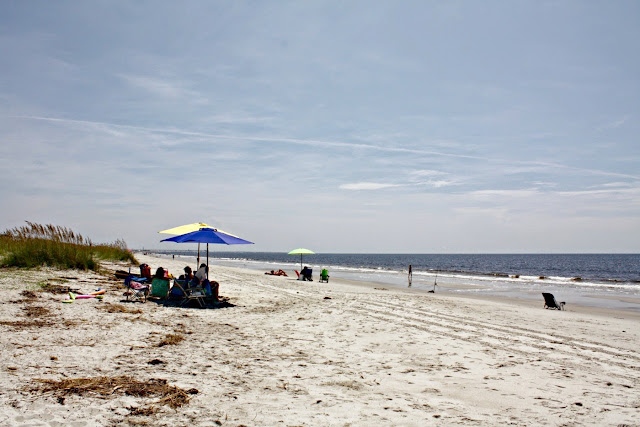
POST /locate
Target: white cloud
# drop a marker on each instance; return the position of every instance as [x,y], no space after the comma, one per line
[427,172]
[440,183]
[614,124]
[238,118]
[366,186]
[504,194]
[163,88]
[417,178]
[616,184]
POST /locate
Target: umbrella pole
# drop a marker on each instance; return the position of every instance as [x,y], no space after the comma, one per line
[300,262]
[198,262]
[207,270]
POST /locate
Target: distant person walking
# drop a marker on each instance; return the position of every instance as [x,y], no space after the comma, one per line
[410,277]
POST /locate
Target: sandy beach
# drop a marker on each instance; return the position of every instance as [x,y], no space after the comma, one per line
[291,353]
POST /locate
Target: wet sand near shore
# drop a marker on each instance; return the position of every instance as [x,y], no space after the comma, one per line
[307,353]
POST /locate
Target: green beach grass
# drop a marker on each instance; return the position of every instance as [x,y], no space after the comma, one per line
[37,245]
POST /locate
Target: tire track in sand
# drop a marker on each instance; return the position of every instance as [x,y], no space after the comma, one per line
[527,341]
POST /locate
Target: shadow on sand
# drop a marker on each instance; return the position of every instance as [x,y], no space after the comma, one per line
[181,303]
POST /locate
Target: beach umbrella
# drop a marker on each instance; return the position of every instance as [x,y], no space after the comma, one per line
[208,235]
[301,251]
[188,228]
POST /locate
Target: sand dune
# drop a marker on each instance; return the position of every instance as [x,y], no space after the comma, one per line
[309,353]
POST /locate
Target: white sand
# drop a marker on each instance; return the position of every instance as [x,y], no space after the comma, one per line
[299,353]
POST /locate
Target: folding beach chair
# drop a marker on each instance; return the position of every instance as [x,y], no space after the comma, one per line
[136,288]
[324,276]
[550,302]
[181,289]
[160,287]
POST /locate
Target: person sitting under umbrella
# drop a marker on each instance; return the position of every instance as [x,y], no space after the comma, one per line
[188,275]
[306,274]
[202,273]
[201,278]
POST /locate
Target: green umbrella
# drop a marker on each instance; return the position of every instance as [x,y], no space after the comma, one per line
[301,251]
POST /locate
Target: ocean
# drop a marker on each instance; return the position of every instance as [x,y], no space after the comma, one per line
[600,280]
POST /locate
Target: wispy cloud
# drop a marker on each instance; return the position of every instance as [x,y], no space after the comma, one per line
[381,186]
[618,185]
[213,137]
[439,183]
[238,118]
[544,184]
[590,171]
[170,88]
[426,173]
[614,124]
[277,139]
[431,178]
[497,193]
[357,186]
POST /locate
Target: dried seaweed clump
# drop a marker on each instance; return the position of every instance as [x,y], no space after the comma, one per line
[34,316]
[169,395]
[28,294]
[23,324]
[119,308]
[171,339]
[36,311]
[56,289]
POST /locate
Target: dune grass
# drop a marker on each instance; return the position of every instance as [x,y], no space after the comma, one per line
[37,245]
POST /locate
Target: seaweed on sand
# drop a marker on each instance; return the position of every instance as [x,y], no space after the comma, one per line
[104,387]
[56,289]
[170,339]
[119,308]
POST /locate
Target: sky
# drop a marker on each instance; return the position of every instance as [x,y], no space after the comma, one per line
[338,126]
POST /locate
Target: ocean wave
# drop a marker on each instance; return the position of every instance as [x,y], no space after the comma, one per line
[578,271]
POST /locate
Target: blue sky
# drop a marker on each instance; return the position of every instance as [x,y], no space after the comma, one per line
[357,126]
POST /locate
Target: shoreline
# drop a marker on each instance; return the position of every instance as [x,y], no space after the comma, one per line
[308,353]
[505,271]
[632,311]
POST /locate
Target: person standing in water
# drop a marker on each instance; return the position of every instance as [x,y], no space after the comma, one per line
[410,277]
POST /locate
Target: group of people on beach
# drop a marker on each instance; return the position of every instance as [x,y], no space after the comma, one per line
[304,274]
[190,280]
[201,279]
